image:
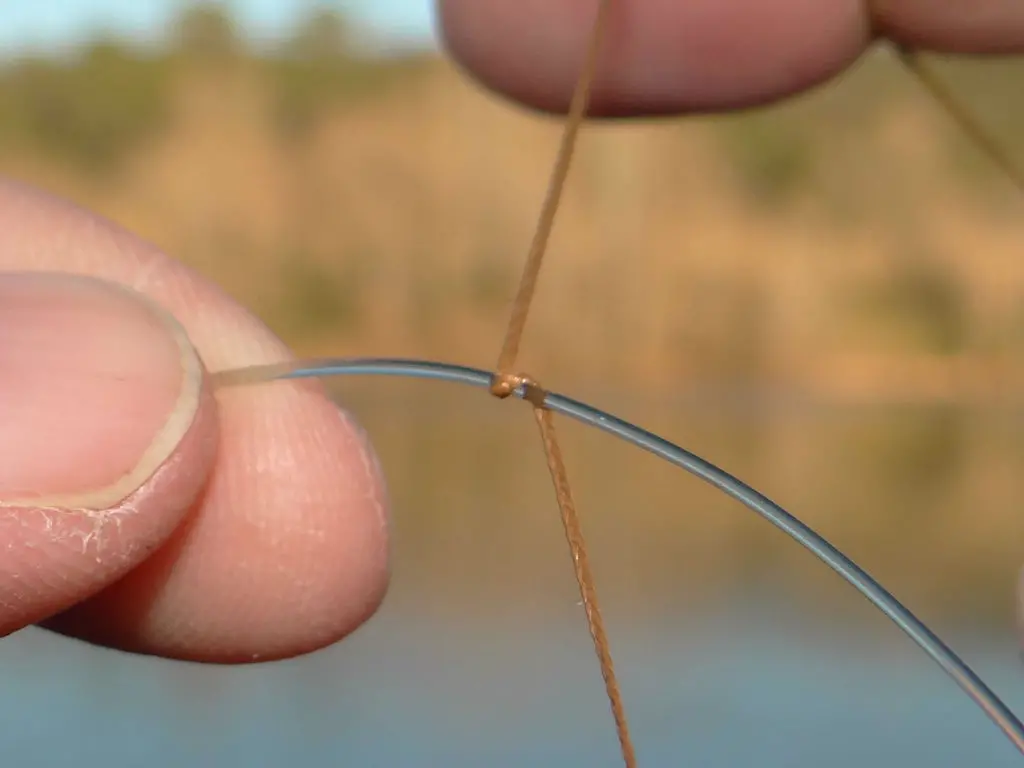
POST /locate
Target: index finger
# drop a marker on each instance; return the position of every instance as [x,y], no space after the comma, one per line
[666,56]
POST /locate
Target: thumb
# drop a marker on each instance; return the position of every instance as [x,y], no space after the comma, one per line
[107,433]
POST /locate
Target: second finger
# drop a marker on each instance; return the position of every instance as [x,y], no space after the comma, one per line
[660,56]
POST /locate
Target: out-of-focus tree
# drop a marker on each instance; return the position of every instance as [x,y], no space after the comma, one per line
[205,30]
[324,36]
[309,70]
[317,69]
[89,110]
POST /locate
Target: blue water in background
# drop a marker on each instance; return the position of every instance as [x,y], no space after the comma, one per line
[480,655]
[408,690]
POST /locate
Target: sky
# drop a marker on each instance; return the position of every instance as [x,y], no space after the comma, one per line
[57,24]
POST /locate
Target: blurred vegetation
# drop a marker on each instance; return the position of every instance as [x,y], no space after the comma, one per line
[989,89]
[316,299]
[772,154]
[924,305]
[315,71]
[96,106]
[90,110]
[385,203]
[775,150]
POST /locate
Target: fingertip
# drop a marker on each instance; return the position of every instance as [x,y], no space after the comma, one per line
[262,550]
[110,435]
[658,57]
[983,27]
[289,555]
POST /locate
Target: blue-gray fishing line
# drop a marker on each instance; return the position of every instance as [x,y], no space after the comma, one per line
[955,667]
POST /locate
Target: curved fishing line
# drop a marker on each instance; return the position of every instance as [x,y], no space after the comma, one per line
[803,534]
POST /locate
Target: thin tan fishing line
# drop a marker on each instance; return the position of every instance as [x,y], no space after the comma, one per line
[545,222]
[968,124]
[505,381]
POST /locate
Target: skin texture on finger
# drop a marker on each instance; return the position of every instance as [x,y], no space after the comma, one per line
[286,550]
[253,579]
[659,57]
[65,388]
[664,57]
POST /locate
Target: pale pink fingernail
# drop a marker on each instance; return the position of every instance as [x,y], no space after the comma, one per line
[97,387]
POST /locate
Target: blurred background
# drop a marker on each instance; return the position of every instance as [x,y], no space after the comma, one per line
[825,298]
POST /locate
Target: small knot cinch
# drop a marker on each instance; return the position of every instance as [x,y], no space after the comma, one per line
[505,384]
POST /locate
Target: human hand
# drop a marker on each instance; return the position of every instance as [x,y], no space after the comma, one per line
[138,508]
[254,526]
[674,56]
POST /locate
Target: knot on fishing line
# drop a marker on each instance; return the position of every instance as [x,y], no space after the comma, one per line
[505,384]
